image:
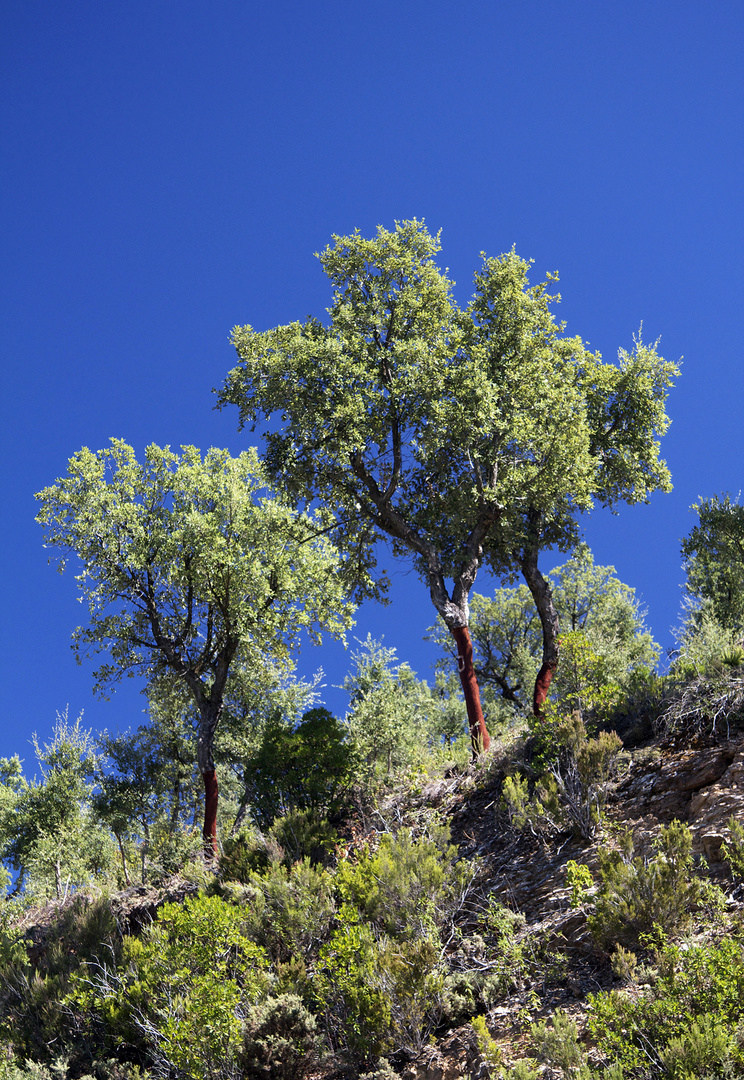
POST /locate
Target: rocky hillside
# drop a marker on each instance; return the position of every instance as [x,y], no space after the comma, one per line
[548,955]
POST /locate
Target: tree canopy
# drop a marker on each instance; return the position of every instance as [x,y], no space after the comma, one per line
[714,560]
[193,572]
[461,435]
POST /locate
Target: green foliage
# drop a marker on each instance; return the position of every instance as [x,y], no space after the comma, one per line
[356,1010]
[687,1026]
[408,886]
[288,909]
[181,987]
[146,788]
[110,1069]
[48,833]
[636,895]
[303,834]
[579,880]
[585,684]
[194,575]
[733,849]
[33,1020]
[389,719]
[714,560]
[515,799]
[487,1046]
[703,643]
[309,767]
[605,645]
[377,993]
[175,546]
[244,853]
[460,436]
[501,957]
[379,981]
[281,1040]
[557,1043]
[574,785]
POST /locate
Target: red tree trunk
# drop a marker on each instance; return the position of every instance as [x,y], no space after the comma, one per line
[542,684]
[211,850]
[543,597]
[479,736]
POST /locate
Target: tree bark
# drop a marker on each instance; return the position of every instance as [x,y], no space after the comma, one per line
[211,793]
[479,737]
[210,714]
[543,597]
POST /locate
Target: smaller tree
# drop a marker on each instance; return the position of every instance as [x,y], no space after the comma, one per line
[713,555]
[390,710]
[141,789]
[48,832]
[309,766]
[194,575]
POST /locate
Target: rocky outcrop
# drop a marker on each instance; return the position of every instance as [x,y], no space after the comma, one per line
[702,786]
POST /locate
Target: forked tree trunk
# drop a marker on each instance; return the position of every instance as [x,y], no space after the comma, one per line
[479,737]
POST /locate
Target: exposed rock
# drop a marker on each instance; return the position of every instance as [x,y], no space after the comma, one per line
[456,1057]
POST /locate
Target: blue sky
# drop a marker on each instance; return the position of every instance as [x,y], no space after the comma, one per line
[168,169]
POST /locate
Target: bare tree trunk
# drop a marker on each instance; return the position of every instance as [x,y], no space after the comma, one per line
[543,597]
[479,737]
[123,859]
[210,714]
[211,795]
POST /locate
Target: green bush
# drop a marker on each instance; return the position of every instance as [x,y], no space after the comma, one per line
[180,988]
[32,1016]
[377,994]
[557,1043]
[355,1008]
[408,886]
[733,849]
[379,980]
[245,853]
[304,834]
[288,910]
[501,957]
[574,785]
[688,1025]
[281,1040]
[636,894]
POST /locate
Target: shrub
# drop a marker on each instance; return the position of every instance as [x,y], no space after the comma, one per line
[378,994]
[180,988]
[557,1043]
[280,1039]
[245,853]
[637,894]
[378,980]
[303,834]
[32,1017]
[573,789]
[579,880]
[496,960]
[288,910]
[688,1026]
[356,1009]
[408,886]
[733,850]
[488,1048]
